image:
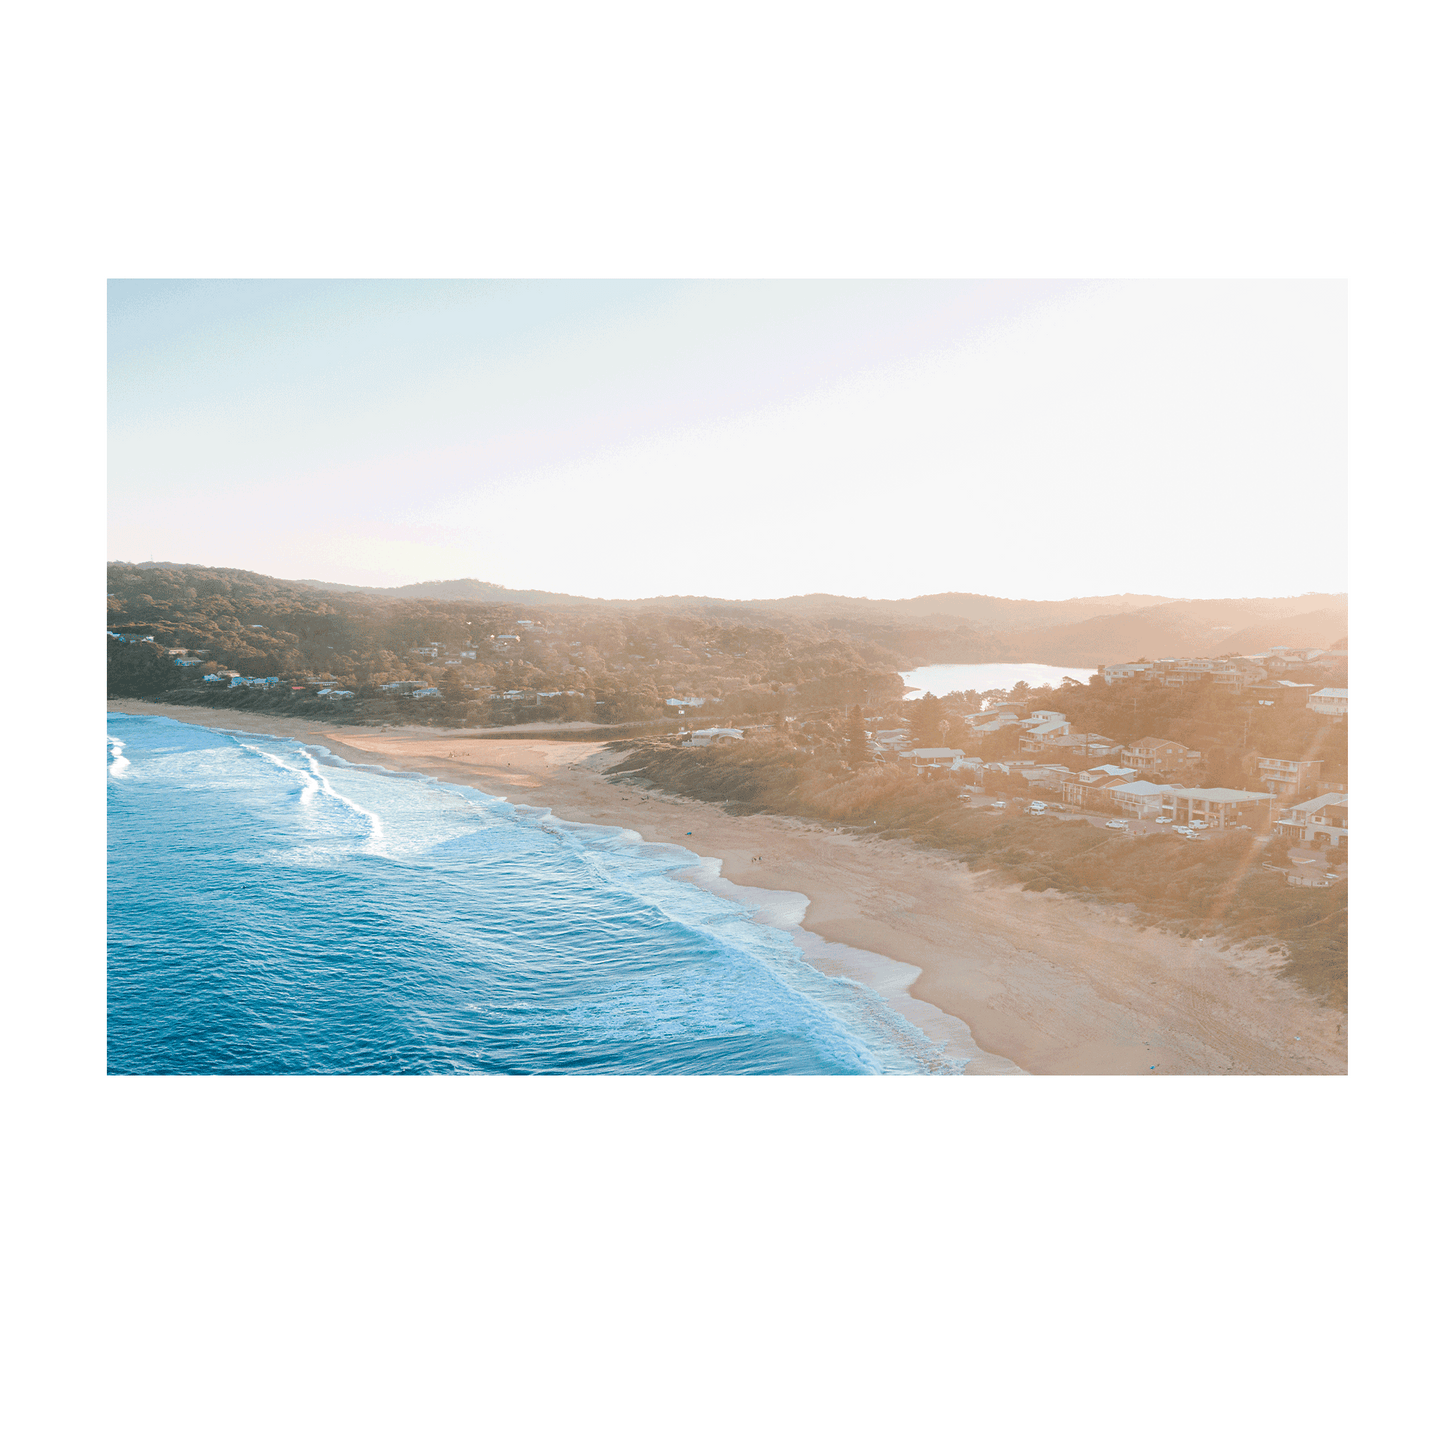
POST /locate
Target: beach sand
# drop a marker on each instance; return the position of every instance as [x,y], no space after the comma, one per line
[1053,984]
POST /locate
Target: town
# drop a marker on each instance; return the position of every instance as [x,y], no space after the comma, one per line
[1210,792]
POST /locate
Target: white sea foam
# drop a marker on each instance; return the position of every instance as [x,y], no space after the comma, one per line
[119,764]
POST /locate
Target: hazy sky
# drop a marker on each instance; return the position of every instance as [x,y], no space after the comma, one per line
[742,439]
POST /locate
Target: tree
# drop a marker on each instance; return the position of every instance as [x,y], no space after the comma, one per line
[927,715]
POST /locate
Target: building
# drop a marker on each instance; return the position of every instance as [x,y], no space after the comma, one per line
[1330,702]
[1088,745]
[1124,671]
[1138,799]
[1162,756]
[1320,820]
[1043,730]
[1285,777]
[1093,787]
[253,681]
[1217,807]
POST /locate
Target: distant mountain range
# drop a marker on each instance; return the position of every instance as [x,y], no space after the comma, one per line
[1077,632]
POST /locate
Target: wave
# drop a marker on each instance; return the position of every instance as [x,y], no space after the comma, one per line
[119,764]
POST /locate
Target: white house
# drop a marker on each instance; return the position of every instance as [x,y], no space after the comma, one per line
[1329,701]
[1138,799]
[1122,671]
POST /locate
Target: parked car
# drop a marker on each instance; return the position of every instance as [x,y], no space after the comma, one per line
[999,804]
[1179,828]
[1162,820]
[1117,823]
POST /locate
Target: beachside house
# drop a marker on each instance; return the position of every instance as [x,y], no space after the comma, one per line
[1325,819]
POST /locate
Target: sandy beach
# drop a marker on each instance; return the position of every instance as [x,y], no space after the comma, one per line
[1048,984]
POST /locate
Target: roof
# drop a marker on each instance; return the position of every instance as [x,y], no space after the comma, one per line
[1110,768]
[1145,744]
[1139,789]
[1325,800]
[1219,795]
[1332,692]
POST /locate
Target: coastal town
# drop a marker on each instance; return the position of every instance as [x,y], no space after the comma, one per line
[1206,788]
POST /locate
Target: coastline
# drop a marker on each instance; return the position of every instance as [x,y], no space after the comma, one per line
[1038,982]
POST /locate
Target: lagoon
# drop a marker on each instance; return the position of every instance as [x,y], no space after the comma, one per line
[943,678]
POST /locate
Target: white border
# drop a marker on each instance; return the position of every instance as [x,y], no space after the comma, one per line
[85,1097]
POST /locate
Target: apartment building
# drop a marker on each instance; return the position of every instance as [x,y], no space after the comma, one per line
[1217,807]
[1288,777]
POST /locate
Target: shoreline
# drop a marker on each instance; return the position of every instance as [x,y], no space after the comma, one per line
[1037,982]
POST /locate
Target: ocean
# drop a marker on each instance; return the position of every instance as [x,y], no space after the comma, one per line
[274,909]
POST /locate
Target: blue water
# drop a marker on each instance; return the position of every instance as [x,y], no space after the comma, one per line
[273,909]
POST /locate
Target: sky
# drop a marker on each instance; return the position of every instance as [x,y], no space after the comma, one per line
[1040,439]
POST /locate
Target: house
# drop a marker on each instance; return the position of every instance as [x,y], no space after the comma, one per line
[704,736]
[1330,702]
[1284,777]
[1281,690]
[1042,730]
[187,661]
[1124,671]
[1322,819]
[1287,659]
[687,702]
[253,681]
[1089,745]
[1137,799]
[427,692]
[1159,755]
[1217,807]
[1092,788]
[1050,777]
[992,722]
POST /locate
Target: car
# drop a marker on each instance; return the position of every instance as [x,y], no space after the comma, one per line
[1116,823]
[1163,820]
[1181,828]
[1188,833]
[1000,804]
